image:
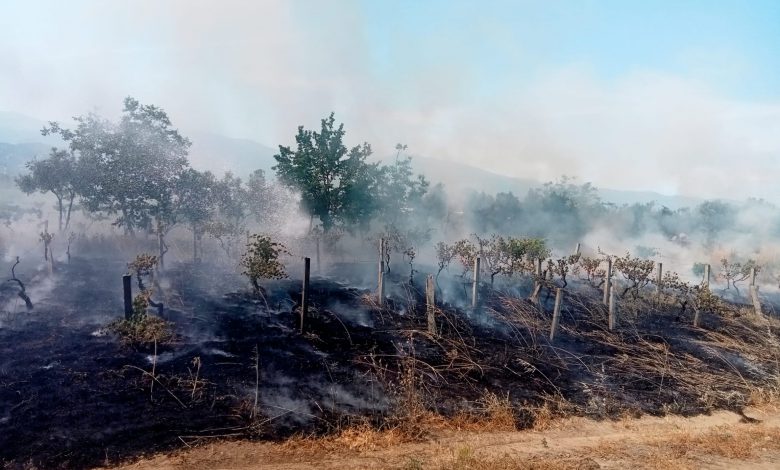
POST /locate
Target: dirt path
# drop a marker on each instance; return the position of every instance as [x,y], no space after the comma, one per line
[723,440]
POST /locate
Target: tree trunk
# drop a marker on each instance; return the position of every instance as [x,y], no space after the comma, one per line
[61,210]
[70,209]
[160,242]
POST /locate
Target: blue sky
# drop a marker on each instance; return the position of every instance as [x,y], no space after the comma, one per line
[734,47]
[650,95]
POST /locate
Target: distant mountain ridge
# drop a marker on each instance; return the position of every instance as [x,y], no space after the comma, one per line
[21,140]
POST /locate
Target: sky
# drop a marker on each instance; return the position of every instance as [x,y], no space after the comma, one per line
[680,97]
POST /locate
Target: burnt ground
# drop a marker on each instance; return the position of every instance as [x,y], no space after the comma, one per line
[72,396]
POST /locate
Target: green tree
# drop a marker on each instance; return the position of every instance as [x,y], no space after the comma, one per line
[57,174]
[131,165]
[336,184]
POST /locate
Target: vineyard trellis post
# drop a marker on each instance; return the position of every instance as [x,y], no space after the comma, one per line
[556,313]
[381,277]
[305,293]
[756,301]
[475,285]
[607,280]
[612,309]
[430,303]
[127,287]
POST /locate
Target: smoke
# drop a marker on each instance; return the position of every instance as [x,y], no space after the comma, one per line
[237,69]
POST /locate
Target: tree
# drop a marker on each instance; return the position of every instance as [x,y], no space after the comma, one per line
[734,272]
[336,184]
[131,165]
[196,202]
[400,191]
[58,175]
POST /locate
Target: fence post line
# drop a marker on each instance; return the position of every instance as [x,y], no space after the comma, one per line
[556,313]
[475,286]
[607,281]
[430,303]
[127,288]
[305,293]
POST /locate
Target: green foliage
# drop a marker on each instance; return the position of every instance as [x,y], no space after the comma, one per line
[59,175]
[261,260]
[336,184]
[131,166]
[400,191]
[636,271]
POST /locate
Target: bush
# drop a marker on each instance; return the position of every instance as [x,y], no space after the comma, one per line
[261,260]
[143,330]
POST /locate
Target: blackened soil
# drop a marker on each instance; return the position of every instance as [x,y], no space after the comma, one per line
[71,396]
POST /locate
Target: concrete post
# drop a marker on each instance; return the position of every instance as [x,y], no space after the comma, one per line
[612,309]
[707,276]
[305,293]
[556,313]
[608,281]
[430,303]
[475,285]
[127,288]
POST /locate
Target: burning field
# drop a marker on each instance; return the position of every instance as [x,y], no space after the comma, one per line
[230,363]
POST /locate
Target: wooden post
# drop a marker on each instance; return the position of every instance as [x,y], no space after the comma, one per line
[475,286]
[752,276]
[756,301]
[556,313]
[381,277]
[612,309]
[707,276]
[127,287]
[607,281]
[659,281]
[305,293]
[577,249]
[430,303]
[538,266]
[318,254]
[696,316]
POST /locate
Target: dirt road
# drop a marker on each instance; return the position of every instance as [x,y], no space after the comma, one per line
[723,440]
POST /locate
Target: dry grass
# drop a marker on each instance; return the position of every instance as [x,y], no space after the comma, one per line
[733,442]
[145,331]
[465,458]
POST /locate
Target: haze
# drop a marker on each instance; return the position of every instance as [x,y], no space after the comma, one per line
[679,98]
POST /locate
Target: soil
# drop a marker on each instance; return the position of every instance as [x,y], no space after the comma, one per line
[571,444]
